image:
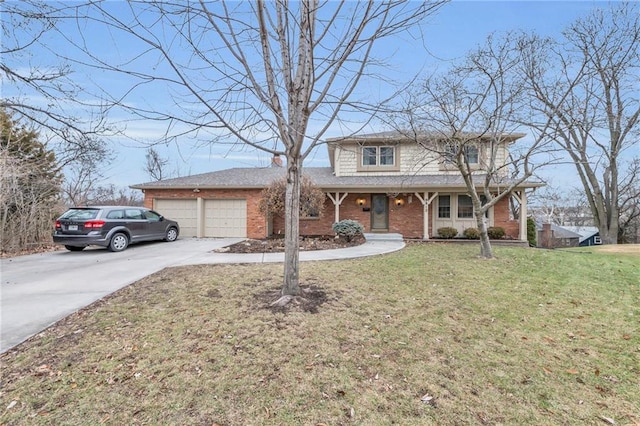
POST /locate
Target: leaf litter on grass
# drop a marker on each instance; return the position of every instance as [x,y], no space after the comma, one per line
[487,343]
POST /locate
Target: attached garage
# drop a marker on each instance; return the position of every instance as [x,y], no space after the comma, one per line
[225,218]
[221,218]
[184,211]
[221,204]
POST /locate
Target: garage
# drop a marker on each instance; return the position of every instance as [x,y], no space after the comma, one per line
[184,211]
[221,219]
[225,218]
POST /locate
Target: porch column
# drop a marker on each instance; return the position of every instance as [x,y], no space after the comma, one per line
[426,201]
[521,198]
[337,200]
[523,215]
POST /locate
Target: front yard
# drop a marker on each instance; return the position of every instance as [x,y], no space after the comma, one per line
[427,335]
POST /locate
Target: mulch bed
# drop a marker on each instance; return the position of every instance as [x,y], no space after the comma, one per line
[307,243]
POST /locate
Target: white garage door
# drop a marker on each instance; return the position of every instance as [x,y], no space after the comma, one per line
[184,211]
[225,218]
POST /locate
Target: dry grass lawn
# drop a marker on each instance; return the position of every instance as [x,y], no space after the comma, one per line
[430,335]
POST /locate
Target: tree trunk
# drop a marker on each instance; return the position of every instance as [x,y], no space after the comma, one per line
[608,231]
[291,285]
[485,245]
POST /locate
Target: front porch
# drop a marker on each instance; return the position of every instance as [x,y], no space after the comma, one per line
[418,215]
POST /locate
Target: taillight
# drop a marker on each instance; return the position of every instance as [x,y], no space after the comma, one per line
[58,224]
[93,224]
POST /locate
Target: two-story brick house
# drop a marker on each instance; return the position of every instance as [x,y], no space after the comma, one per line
[387,182]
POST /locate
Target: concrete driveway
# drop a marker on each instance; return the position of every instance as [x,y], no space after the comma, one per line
[39,289]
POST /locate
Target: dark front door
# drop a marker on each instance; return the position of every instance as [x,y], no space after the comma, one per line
[379,212]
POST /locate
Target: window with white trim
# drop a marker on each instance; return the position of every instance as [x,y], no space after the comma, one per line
[444,206]
[465,207]
[378,156]
[471,153]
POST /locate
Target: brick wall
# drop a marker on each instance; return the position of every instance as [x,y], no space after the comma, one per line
[406,220]
[501,219]
[309,226]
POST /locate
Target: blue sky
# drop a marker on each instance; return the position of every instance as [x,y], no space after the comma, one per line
[455,29]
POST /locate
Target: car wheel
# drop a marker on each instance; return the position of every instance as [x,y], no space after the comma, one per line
[74,248]
[172,234]
[118,242]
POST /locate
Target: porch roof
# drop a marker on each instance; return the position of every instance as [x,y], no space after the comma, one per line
[323,177]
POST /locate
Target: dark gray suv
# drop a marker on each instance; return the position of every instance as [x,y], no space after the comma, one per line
[114,227]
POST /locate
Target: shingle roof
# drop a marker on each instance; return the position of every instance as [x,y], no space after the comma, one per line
[323,177]
[585,232]
[559,231]
[409,137]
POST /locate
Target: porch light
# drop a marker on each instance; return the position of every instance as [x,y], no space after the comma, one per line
[361,201]
[399,202]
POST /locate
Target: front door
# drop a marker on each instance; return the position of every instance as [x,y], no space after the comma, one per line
[379,212]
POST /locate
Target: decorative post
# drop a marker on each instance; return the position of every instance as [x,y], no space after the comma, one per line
[337,200]
[426,201]
[523,215]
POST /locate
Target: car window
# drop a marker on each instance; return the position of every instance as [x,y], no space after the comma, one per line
[133,214]
[80,214]
[115,214]
[152,216]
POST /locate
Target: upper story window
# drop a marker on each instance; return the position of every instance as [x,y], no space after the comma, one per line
[471,153]
[378,157]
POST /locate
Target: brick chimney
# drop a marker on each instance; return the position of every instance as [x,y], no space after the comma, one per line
[546,237]
[276,161]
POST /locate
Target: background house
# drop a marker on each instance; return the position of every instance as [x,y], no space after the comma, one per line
[589,235]
[556,236]
[385,181]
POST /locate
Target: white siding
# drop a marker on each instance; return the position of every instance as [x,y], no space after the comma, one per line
[454,222]
[414,160]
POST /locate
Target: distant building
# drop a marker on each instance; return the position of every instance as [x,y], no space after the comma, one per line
[555,236]
[589,235]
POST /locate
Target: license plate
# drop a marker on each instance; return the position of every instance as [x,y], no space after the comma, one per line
[73,227]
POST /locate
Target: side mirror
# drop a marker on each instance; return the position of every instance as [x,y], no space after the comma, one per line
[161,218]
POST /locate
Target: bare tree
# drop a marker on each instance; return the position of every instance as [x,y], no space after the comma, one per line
[587,85]
[82,180]
[155,165]
[471,118]
[116,196]
[39,86]
[629,226]
[40,90]
[272,199]
[561,206]
[29,187]
[255,74]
